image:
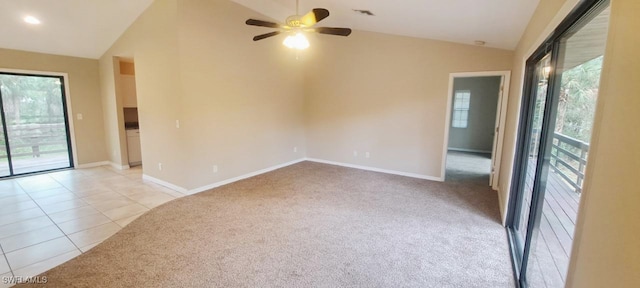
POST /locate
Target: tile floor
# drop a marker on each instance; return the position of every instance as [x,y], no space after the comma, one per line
[46,220]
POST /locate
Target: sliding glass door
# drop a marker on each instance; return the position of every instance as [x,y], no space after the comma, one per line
[553,145]
[529,164]
[4,152]
[35,130]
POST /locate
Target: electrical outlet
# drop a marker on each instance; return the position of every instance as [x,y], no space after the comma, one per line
[355,153]
[160,166]
[367,155]
[215,168]
[295,149]
[177,123]
[79,116]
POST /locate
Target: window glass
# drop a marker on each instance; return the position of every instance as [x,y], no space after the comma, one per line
[461,104]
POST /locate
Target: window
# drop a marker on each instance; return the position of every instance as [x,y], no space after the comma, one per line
[461,109]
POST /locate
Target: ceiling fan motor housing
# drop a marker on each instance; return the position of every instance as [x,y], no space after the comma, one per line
[294,21]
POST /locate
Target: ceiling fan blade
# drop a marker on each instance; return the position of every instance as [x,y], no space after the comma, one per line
[263,36]
[316,15]
[254,22]
[333,31]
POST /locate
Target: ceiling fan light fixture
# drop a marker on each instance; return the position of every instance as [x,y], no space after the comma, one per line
[298,41]
[296,25]
[31,20]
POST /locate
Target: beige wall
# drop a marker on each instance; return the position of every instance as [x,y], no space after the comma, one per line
[111,116]
[242,101]
[606,252]
[84,91]
[239,103]
[386,95]
[483,106]
[152,42]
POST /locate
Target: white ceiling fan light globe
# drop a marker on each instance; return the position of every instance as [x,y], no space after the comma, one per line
[288,42]
[298,41]
[32,20]
[302,41]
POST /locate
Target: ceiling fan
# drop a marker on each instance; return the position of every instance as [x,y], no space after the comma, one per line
[296,25]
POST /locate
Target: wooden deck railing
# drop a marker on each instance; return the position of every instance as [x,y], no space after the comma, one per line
[569,158]
[35,139]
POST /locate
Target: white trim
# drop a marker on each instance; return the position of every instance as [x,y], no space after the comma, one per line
[67,93]
[503,99]
[164,183]
[241,177]
[502,205]
[406,174]
[92,165]
[469,150]
[269,169]
[118,166]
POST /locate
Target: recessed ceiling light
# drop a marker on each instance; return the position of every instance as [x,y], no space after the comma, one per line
[32,20]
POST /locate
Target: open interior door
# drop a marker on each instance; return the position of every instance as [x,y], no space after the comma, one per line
[496,132]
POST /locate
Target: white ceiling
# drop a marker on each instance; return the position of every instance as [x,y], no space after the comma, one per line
[500,23]
[82,28]
[87,28]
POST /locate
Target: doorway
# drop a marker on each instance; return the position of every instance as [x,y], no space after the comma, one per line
[473,138]
[562,79]
[128,94]
[472,128]
[34,124]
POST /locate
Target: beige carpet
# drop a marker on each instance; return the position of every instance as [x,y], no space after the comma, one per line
[307,225]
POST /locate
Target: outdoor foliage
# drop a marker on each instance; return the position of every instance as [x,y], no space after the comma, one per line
[34,114]
[578,96]
[576,110]
[30,99]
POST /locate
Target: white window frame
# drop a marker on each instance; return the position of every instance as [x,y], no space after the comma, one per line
[461,106]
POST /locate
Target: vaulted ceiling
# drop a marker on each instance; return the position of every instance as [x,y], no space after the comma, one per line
[499,23]
[87,28]
[82,28]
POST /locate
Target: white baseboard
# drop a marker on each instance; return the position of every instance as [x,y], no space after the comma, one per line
[164,183]
[92,165]
[241,177]
[503,208]
[400,173]
[102,163]
[118,166]
[269,169]
[469,150]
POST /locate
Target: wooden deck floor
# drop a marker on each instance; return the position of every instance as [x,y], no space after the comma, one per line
[27,165]
[555,238]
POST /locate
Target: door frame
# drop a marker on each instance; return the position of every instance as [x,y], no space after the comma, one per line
[501,118]
[67,95]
